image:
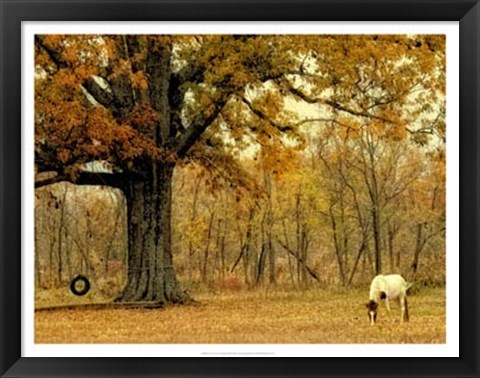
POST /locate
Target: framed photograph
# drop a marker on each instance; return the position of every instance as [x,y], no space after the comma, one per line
[188,180]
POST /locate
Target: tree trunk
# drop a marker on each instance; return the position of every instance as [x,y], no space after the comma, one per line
[61,232]
[151,276]
[261,264]
[268,228]
[271,260]
[304,252]
[419,244]
[222,250]
[38,262]
[357,259]
[337,246]
[287,243]
[207,248]
[391,236]
[377,239]
[193,218]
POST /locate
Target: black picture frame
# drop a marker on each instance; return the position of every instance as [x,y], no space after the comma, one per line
[467,12]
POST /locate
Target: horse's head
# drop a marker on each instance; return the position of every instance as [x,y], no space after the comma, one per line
[372,307]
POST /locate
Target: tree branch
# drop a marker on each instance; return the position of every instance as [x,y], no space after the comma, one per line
[101,95]
[335,105]
[263,116]
[52,54]
[115,180]
[299,259]
[177,90]
[197,127]
[190,73]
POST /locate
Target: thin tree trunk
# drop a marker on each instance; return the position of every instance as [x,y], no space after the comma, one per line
[60,246]
[419,244]
[377,239]
[248,246]
[290,265]
[271,260]
[298,237]
[268,225]
[207,248]
[112,238]
[304,252]
[38,265]
[191,251]
[398,259]
[337,246]
[261,260]
[355,264]
[391,236]
[222,249]
[216,260]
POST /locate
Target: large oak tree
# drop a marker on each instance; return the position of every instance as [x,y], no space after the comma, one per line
[140,104]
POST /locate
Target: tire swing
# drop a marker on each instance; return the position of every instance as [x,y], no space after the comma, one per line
[82,291]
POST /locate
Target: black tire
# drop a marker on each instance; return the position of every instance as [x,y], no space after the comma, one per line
[86,286]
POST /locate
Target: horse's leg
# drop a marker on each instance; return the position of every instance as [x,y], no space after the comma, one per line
[403,305]
[387,304]
[405,309]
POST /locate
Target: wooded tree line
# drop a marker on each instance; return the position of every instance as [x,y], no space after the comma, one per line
[314,224]
[310,221]
[80,231]
[290,159]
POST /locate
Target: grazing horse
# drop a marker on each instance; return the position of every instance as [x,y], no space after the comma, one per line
[391,287]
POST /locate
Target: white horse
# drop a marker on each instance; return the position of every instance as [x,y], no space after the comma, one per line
[390,287]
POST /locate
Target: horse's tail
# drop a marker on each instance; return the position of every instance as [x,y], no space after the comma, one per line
[409,286]
[405,317]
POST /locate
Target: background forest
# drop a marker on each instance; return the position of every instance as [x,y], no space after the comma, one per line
[171,168]
[307,218]
[308,221]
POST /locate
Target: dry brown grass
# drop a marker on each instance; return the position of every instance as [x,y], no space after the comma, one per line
[262,316]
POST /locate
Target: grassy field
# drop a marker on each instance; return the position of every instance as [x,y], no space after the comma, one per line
[261,316]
